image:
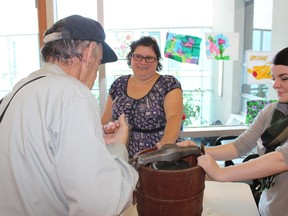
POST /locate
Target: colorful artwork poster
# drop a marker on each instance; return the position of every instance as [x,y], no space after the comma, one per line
[121,43]
[258,66]
[222,46]
[182,48]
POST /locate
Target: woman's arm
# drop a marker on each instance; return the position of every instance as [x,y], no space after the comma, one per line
[223,152]
[107,114]
[220,153]
[173,107]
[266,165]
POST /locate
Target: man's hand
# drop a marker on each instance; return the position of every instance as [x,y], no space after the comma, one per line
[116,131]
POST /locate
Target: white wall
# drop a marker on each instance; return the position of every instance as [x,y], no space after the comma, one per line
[263,14]
[228,17]
[279,25]
[279,36]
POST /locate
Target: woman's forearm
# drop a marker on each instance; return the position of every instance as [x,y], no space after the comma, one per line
[223,152]
[172,130]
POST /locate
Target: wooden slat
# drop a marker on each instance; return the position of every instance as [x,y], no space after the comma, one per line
[42,19]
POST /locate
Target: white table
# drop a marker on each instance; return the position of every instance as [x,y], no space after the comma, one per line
[212,131]
[222,199]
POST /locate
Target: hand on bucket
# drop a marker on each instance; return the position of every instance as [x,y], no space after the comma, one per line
[186,143]
[210,166]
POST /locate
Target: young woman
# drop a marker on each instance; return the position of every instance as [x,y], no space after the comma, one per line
[269,132]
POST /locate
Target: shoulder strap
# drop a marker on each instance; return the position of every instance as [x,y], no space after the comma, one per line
[1,117]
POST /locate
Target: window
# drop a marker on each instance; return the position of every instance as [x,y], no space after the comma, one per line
[87,8]
[198,81]
[18,40]
[195,79]
[154,18]
[120,24]
[261,40]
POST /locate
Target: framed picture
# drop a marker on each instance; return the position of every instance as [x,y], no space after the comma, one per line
[222,46]
[121,41]
[182,48]
[258,66]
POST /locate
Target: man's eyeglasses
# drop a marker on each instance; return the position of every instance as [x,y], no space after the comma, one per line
[148,59]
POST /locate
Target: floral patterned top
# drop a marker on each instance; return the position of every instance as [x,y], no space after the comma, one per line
[146,115]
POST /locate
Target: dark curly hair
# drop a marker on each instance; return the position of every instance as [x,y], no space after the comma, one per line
[146,41]
[281,58]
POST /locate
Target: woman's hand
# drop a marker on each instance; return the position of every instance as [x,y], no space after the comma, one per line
[180,144]
[111,127]
[159,145]
[116,131]
[210,166]
[186,143]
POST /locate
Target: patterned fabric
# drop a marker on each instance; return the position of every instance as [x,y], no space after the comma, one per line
[275,135]
[253,108]
[146,115]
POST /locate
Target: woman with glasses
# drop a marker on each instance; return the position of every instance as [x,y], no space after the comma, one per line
[152,103]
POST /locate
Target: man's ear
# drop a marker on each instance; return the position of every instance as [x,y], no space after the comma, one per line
[89,52]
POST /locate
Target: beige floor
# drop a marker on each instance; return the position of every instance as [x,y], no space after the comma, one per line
[131,211]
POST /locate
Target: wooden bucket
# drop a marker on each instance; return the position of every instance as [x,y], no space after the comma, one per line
[170,192]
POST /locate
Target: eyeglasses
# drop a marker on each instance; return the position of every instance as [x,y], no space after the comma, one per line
[148,59]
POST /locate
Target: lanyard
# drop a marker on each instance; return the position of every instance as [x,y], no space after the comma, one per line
[1,117]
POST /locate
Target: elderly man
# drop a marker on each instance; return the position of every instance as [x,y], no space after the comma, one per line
[55,159]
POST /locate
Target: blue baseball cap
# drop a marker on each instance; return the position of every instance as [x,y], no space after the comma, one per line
[80,28]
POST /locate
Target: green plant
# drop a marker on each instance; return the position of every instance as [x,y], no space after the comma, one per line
[192,106]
